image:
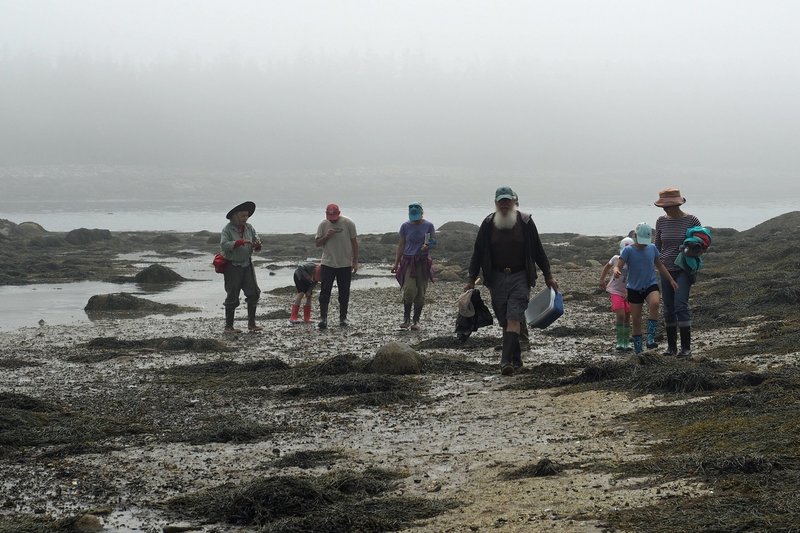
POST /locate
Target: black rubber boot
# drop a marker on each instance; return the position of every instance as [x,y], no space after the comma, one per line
[672,340]
[323,314]
[686,341]
[407,314]
[516,357]
[417,313]
[251,315]
[229,312]
[510,346]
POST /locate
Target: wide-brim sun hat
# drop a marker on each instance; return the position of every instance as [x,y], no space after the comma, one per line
[669,197]
[250,207]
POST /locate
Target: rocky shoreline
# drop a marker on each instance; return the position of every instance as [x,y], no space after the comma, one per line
[155,424]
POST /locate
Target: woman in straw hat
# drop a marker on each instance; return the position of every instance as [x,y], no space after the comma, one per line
[238,240]
[669,235]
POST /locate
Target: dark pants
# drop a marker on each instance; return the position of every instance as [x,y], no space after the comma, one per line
[241,279]
[675,304]
[342,276]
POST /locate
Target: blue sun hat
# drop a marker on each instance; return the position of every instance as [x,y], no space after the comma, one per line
[415,211]
[644,233]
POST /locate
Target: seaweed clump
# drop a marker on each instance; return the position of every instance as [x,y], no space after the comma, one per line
[743,443]
[340,501]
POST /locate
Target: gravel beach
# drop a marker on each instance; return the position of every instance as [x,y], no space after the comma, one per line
[125,424]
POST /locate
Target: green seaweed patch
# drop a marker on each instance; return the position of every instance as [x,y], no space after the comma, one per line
[375,399]
[643,375]
[773,337]
[306,459]
[162,343]
[40,524]
[577,332]
[227,429]
[23,402]
[340,501]
[743,443]
[455,364]
[473,342]
[234,377]
[544,376]
[350,384]
[13,363]
[543,468]
[338,365]
[27,428]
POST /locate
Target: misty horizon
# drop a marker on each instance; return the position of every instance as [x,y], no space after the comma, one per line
[579,99]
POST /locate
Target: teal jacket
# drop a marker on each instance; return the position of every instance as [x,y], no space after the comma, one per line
[698,240]
[238,256]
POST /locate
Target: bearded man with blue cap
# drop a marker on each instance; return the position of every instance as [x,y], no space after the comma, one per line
[507,251]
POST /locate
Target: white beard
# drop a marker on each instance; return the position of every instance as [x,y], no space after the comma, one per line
[502,221]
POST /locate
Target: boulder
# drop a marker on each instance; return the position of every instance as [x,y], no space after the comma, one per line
[31,229]
[123,301]
[166,238]
[158,274]
[459,226]
[449,272]
[8,228]
[85,236]
[395,358]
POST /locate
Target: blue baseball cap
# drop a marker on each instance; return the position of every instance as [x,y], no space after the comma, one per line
[504,193]
[644,233]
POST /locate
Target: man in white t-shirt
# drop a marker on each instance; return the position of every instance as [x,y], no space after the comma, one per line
[336,235]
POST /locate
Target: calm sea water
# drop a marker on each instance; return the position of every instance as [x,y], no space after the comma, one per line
[582,219]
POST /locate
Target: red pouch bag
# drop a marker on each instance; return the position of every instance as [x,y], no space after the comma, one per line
[220,263]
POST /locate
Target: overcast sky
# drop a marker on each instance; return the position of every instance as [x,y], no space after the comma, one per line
[565,92]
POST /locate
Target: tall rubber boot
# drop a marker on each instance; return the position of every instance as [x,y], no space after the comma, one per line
[229,312]
[323,315]
[651,333]
[637,343]
[294,319]
[415,320]
[306,314]
[686,341]
[626,338]
[251,317]
[672,340]
[406,316]
[620,337]
[510,345]
[524,339]
[516,357]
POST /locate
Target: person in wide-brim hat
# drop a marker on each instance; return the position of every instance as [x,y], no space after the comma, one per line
[238,240]
[669,198]
[670,232]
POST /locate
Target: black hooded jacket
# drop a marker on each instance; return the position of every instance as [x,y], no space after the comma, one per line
[534,251]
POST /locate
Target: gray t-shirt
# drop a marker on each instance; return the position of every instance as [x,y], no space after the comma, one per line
[337,252]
